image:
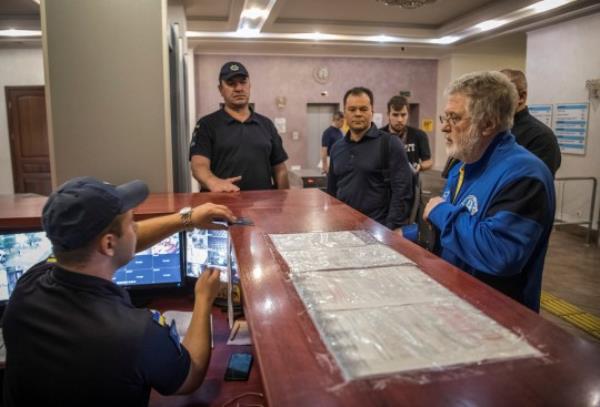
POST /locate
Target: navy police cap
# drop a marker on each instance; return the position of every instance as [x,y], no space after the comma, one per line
[231,69]
[80,209]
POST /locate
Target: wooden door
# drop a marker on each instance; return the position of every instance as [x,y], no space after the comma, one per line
[28,134]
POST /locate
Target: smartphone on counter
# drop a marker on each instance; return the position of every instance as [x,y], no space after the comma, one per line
[238,367]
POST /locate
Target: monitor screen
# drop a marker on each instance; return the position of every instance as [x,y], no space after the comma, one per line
[208,248]
[18,252]
[159,265]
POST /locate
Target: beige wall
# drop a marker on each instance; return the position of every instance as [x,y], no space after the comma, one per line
[456,65]
[107,90]
[560,59]
[18,67]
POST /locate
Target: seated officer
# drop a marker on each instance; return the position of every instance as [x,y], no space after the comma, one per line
[72,336]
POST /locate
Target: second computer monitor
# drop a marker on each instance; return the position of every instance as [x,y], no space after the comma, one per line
[158,266]
[208,248]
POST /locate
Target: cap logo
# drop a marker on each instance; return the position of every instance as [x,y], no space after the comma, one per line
[234,68]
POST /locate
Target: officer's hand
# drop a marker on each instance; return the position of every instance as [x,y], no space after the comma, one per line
[204,215]
[224,185]
[208,285]
[433,202]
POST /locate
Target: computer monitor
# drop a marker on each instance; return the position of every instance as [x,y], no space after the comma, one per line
[156,267]
[18,252]
[208,248]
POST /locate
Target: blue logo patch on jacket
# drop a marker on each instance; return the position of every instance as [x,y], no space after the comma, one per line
[470,202]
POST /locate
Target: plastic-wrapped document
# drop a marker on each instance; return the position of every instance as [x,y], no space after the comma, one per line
[374,255]
[367,288]
[318,240]
[379,314]
[376,341]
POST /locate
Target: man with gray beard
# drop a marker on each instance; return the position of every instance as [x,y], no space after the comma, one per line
[496,211]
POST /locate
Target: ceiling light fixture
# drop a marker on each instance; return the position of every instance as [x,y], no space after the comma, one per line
[546,5]
[407,4]
[381,38]
[11,32]
[247,32]
[254,13]
[448,39]
[490,24]
[317,36]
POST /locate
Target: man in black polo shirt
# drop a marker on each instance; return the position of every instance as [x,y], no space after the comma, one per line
[72,336]
[236,148]
[531,133]
[368,168]
[414,140]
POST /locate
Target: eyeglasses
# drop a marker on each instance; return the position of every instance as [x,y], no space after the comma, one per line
[450,119]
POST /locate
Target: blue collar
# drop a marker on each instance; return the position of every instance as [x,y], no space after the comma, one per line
[502,138]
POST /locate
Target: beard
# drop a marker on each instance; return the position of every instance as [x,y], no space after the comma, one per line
[466,147]
[398,128]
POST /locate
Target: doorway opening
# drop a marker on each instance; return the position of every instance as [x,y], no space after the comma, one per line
[319,117]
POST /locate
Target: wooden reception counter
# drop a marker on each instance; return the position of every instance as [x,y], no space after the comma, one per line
[295,366]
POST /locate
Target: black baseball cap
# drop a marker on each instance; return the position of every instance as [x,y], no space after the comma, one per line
[82,207]
[231,69]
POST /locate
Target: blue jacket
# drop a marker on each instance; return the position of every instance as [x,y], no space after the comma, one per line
[497,227]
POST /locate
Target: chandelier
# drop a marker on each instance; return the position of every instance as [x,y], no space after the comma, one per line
[409,4]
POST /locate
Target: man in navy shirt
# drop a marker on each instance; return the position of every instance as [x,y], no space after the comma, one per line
[330,136]
[73,337]
[368,169]
[496,211]
[236,148]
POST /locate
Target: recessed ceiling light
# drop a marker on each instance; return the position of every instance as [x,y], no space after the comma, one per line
[546,5]
[19,33]
[253,13]
[247,32]
[490,24]
[380,38]
[448,39]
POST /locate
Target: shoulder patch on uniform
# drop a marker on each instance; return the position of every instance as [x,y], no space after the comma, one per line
[158,317]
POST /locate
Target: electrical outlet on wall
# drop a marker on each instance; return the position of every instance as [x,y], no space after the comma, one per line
[295,135]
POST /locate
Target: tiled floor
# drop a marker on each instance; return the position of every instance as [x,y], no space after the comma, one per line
[571,272]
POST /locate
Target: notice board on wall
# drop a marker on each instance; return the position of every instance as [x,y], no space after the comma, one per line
[542,112]
[570,125]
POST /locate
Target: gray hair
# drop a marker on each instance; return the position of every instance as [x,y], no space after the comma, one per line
[492,98]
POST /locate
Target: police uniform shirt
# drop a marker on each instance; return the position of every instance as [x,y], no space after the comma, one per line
[76,340]
[416,144]
[250,148]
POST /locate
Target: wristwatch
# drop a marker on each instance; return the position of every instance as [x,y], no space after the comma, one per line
[186,217]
